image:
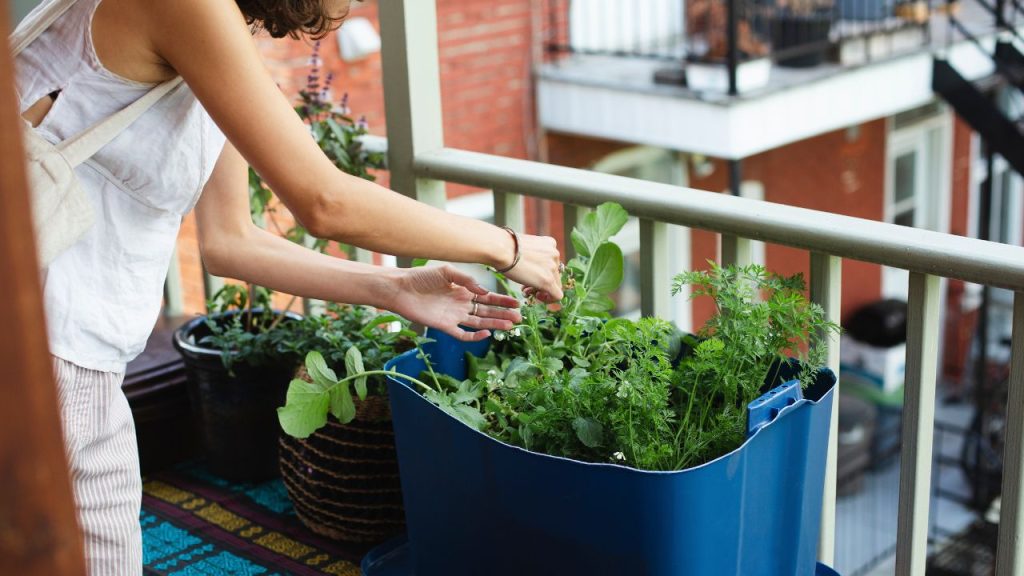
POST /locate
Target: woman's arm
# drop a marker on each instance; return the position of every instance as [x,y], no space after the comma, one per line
[231,245]
[209,44]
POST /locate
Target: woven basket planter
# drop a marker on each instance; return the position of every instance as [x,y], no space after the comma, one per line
[343,480]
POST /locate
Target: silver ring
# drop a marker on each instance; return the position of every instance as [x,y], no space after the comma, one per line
[475,306]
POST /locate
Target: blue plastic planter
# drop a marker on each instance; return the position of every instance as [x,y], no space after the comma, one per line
[475,505]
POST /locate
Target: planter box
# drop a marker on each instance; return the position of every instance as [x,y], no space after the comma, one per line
[237,415]
[475,505]
[714,77]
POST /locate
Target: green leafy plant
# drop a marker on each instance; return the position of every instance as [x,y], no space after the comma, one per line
[341,327]
[308,403]
[353,340]
[244,328]
[571,381]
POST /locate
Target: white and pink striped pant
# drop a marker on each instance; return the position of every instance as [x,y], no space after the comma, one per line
[99,441]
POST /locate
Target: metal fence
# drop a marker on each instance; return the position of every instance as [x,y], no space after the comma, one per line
[420,164]
[796,33]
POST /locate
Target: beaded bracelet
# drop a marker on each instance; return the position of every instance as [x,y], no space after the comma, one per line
[515,240]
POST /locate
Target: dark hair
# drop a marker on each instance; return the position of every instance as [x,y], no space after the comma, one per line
[293,18]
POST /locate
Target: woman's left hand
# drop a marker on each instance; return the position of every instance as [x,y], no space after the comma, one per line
[448,299]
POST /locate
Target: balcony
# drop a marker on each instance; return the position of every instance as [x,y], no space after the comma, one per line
[733,125]
[720,77]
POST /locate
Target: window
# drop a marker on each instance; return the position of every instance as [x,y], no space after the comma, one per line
[917,180]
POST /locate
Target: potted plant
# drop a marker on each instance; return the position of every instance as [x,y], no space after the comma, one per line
[800,31]
[343,476]
[707,36]
[237,374]
[589,445]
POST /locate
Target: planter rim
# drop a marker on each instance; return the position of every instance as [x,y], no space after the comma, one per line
[180,339]
[826,397]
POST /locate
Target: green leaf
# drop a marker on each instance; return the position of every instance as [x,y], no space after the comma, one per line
[305,409]
[418,262]
[589,431]
[597,305]
[552,364]
[605,273]
[342,406]
[470,415]
[353,366]
[598,227]
[579,242]
[322,376]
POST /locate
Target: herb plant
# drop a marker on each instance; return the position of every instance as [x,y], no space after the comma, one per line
[353,340]
[573,382]
[341,327]
[244,328]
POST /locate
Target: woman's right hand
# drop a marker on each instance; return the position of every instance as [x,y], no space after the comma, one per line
[539,268]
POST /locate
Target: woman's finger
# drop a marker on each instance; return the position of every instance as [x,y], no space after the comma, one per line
[497,312]
[482,323]
[466,335]
[459,277]
[501,300]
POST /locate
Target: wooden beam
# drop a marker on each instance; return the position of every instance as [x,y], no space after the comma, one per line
[38,532]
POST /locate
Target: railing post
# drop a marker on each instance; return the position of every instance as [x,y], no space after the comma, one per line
[211,284]
[918,424]
[654,270]
[826,290]
[1010,553]
[412,94]
[571,214]
[736,250]
[508,210]
[174,300]
[733,54]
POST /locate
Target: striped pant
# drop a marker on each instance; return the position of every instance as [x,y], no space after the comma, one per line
[99,442]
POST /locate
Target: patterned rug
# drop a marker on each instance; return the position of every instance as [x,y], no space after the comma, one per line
[196,524]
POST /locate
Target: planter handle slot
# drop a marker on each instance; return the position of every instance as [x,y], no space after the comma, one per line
[765,409]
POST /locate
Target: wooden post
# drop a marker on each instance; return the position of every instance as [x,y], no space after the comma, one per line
[38,532]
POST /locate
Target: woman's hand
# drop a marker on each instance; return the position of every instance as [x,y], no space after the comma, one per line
[539,268]
[445,298]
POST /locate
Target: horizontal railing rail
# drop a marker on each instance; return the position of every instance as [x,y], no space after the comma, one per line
[912,249]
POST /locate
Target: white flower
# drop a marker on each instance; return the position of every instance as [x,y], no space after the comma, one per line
[517,332]
[499,336]
[619,456]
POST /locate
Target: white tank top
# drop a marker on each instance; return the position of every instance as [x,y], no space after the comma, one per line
[103,295]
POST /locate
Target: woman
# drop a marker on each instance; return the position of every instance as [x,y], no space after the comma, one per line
[193,148]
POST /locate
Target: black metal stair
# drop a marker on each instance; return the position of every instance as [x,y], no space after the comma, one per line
[1003,135]
[1010,63]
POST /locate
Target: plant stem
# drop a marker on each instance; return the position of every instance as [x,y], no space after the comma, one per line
[283,314]
[382,373]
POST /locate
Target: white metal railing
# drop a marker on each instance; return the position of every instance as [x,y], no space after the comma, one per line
[420,165]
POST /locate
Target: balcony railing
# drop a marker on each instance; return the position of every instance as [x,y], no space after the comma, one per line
[420,164]
[795,33]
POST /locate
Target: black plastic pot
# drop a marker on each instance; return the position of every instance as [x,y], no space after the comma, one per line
[805,35]
[236,414]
